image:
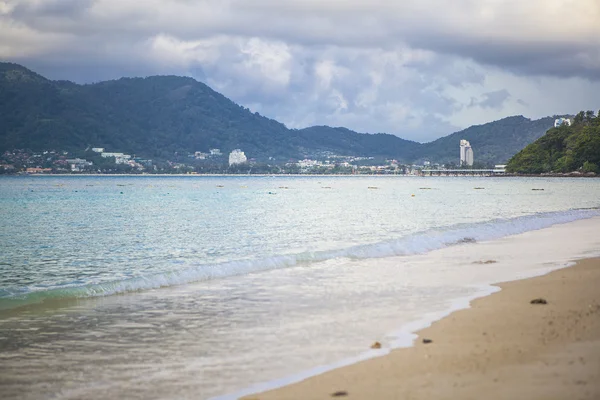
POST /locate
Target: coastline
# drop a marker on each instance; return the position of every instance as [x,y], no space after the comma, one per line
[501,347]
[504,175]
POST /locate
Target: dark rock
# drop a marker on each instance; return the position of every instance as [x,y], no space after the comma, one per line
[339,393]
[427,341]
[376,345]
[539,301]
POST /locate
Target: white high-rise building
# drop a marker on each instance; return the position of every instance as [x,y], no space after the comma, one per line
[562,121]
[237,157]
[466,153]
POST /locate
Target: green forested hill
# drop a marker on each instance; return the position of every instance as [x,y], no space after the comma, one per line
[563,149]
[154,116]
[160,115]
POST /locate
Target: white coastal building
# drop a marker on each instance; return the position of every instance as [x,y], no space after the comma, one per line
[306,163]
[120,158]
[562,121]
[107,155]
[78,164]
[237,157]
[466,153]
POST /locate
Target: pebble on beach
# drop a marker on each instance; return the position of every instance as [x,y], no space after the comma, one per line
[339,393]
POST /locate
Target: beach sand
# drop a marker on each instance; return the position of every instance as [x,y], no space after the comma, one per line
[503,347]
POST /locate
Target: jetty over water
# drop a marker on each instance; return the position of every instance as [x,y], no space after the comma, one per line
[463,172]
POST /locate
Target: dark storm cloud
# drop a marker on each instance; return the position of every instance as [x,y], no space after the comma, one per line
[51,8]
[531,58]
[492,99]
[410,67]
[523,43]
[529,38]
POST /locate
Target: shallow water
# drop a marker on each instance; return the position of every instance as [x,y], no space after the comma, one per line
[262,278]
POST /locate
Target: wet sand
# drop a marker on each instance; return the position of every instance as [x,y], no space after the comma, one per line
[503,347]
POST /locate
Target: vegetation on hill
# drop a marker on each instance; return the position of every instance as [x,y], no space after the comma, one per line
[563,149]
[155,117]
[162,116]
[331,140]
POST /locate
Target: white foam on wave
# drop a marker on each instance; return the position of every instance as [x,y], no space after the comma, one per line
[404,337]
[419,243]
[521,256]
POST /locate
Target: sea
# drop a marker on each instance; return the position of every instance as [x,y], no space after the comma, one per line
[215,287]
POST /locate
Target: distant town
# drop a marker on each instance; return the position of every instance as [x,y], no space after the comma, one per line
[214,161]
[97,160]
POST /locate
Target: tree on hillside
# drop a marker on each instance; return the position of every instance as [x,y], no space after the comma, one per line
[563,149]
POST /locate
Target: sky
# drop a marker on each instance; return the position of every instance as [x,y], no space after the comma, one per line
[419,69]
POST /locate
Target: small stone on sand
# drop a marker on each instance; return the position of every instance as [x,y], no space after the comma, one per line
[339,393]
[427,341]
[539,301]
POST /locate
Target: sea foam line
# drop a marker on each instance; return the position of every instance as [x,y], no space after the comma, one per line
[418,243]
[401,338]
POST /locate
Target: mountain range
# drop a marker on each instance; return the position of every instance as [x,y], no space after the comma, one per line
[158,116]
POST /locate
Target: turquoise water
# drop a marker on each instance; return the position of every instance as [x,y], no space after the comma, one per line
[108,281]
[85,236]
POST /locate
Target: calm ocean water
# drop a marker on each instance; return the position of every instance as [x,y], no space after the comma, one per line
[196,287]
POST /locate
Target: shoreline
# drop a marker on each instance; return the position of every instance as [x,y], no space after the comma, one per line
[507,175]
[502,346]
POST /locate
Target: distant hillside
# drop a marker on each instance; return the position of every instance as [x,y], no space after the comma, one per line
[493,143]
[330,139]
[160,115]
[563,149]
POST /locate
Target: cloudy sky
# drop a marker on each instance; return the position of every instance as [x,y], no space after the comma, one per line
[419,69]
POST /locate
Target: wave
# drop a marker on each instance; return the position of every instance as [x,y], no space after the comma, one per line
[418,243]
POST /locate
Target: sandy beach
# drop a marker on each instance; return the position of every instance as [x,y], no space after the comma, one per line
[503,347]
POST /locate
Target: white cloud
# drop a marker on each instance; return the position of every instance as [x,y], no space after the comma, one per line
[271,59]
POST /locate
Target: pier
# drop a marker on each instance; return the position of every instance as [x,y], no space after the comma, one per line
[463,172]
